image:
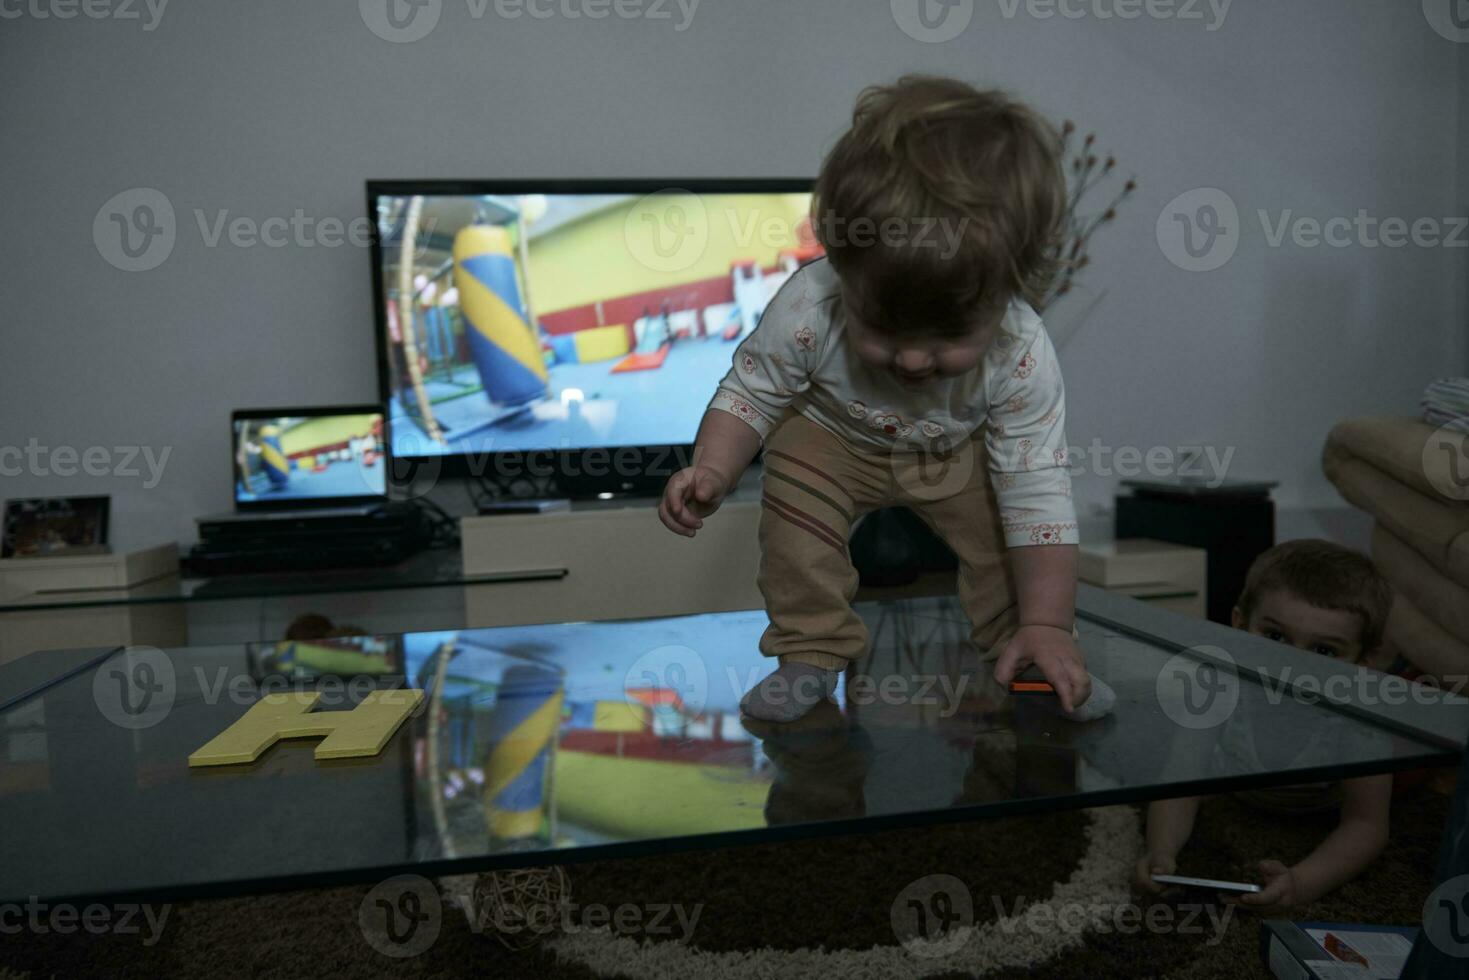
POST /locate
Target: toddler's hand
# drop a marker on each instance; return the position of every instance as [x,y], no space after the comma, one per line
[1053,650]
[691,495]
[1279,894]
[1149,865]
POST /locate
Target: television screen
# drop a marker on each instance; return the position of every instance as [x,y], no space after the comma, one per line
[308,458]
[526,318]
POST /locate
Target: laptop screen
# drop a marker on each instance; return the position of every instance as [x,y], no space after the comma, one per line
[309,457]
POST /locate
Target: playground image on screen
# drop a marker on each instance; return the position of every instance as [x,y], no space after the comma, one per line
[541,322]
[322,457]
[589,709]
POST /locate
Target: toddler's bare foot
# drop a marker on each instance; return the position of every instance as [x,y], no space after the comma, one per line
[789,693]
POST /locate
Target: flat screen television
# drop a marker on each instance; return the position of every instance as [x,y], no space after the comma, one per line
[568,335]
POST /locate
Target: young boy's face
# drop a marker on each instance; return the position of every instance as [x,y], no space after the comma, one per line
[1282,616]
[917,358]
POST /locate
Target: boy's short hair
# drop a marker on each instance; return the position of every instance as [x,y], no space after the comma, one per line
[1326,575]
[984,168]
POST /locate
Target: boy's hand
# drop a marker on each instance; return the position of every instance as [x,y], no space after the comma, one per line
[692,494]
[1279,894]
[1149,865]
[1054,651]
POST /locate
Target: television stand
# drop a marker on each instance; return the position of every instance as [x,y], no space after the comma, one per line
[621,562]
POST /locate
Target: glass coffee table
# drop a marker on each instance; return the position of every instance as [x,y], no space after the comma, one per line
[548,744]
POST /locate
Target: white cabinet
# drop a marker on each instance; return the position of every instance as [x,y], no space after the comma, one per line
[620,562]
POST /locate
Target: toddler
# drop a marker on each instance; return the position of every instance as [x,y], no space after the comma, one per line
[1330,600]
[939,211]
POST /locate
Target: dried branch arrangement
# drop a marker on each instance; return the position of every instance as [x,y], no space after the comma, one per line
[1085,173]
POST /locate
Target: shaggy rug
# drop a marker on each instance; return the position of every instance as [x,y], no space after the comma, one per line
[1007,898]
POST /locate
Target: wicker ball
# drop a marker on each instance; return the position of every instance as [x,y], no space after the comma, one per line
[523,906]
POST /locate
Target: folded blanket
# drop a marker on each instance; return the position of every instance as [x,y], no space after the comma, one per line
[1437,596]
[1426,645]
[1378,464]
[1446,403]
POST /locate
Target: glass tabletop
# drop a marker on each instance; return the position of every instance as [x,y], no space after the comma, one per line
[436,568]
[543,744]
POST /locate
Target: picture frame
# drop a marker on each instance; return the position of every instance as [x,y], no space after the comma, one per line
[50,527]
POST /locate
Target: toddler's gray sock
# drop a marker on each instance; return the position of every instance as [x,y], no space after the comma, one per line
[1098,705]
[789,693]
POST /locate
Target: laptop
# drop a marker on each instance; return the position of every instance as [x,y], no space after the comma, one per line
[308,462]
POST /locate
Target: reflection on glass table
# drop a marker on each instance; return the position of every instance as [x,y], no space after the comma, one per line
[431,569]
[541,744]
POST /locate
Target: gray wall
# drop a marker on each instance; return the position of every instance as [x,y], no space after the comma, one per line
[1461,168]
[262,108]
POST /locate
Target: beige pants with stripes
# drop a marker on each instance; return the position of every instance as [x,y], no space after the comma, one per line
[816,486]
